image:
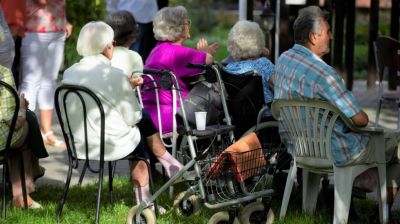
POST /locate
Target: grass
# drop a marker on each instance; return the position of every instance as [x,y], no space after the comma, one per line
[81,201]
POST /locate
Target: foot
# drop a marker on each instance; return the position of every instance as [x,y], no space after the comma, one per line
[19,203]
[50,139]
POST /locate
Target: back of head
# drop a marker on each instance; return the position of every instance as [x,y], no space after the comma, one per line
[169,23]
[308,20]
[94,38]
[245,40]
[124,25]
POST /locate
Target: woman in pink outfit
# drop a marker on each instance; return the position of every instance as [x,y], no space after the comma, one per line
[171,29]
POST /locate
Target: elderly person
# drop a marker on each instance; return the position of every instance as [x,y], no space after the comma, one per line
[301,73]
[246,44]
[171,29]
[125,32]
[25,138]
[128,131]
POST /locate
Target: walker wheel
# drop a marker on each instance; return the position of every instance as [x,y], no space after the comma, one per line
[222,218]
[192,205]
[146,217]
[256,213]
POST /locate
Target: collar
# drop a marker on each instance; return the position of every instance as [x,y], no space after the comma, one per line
[98,58]
[307,52]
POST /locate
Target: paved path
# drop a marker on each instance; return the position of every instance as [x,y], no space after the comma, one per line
[57,163]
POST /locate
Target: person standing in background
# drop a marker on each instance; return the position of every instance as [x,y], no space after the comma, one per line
[42,52]
[14,13]
[144,12]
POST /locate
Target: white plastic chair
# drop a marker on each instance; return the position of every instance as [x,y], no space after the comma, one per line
[312,152]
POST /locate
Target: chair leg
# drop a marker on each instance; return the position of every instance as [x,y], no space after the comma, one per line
[378,111]
[110,180]
[5,166]
[398,115]
[22,176]
[66,187]
[85,166]
[343,188]
[101,171]
[382,194]
[288,189]
[311,182]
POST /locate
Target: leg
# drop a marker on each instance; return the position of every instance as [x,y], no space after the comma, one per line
[14,170]
[32,57]
[140,178]
[155,145]
[47,88]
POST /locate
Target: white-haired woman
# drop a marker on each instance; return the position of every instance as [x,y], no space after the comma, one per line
[171,29]
[129,130]
[246,44]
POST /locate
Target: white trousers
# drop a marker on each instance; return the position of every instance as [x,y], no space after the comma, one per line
[41,58]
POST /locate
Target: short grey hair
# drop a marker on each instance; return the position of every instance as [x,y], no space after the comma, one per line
[309,20]
[245,40]
[93,38]
[169,23]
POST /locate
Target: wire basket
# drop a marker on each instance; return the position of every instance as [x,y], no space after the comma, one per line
[230,175]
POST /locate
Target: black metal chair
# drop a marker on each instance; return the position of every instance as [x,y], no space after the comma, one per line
[62,94]
[5,87]
[387,59]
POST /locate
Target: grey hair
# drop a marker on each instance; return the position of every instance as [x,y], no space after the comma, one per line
[245,40]
[93,38]
[169,23]
[309,20]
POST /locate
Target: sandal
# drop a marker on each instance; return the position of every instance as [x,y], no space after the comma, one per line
[57,143]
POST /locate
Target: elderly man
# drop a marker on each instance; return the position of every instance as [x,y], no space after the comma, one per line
[300,73]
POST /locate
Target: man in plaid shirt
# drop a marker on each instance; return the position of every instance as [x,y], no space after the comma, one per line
[301,74]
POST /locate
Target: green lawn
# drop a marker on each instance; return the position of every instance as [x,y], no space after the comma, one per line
[80,207]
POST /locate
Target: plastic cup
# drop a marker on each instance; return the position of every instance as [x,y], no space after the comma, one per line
[200,120]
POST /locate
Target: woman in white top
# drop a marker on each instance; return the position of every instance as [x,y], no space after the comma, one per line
[127,128]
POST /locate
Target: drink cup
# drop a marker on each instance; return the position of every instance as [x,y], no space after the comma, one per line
[200,120]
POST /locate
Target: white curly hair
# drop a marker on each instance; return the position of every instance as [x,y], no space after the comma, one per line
[245,40]
[169,23]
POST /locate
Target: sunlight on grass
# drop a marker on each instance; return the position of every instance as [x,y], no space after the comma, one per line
[81,202]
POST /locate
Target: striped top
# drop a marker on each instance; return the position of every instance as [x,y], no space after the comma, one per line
[300,74]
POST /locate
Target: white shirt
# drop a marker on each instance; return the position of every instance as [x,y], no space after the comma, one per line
[127,60]
[122,110]
[143,10]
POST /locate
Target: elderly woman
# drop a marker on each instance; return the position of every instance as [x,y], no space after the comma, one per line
[127,128]
[246,44]
[26,138]
[171,29]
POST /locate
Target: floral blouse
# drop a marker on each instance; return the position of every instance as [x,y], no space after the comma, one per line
[48,18]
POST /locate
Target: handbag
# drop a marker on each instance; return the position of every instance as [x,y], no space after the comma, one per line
[204,97]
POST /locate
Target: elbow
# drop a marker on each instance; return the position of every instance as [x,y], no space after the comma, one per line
[360,119]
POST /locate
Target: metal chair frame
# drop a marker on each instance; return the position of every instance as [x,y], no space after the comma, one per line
[73,160]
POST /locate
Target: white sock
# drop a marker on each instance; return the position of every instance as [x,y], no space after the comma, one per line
[170,164]
[142,193]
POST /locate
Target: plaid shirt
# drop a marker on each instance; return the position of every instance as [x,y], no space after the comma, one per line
[300,74]
[6,108]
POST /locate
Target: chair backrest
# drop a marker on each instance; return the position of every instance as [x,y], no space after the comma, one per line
[245,99]
[84,101]
[5,87]
[386,55]
[309,126]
